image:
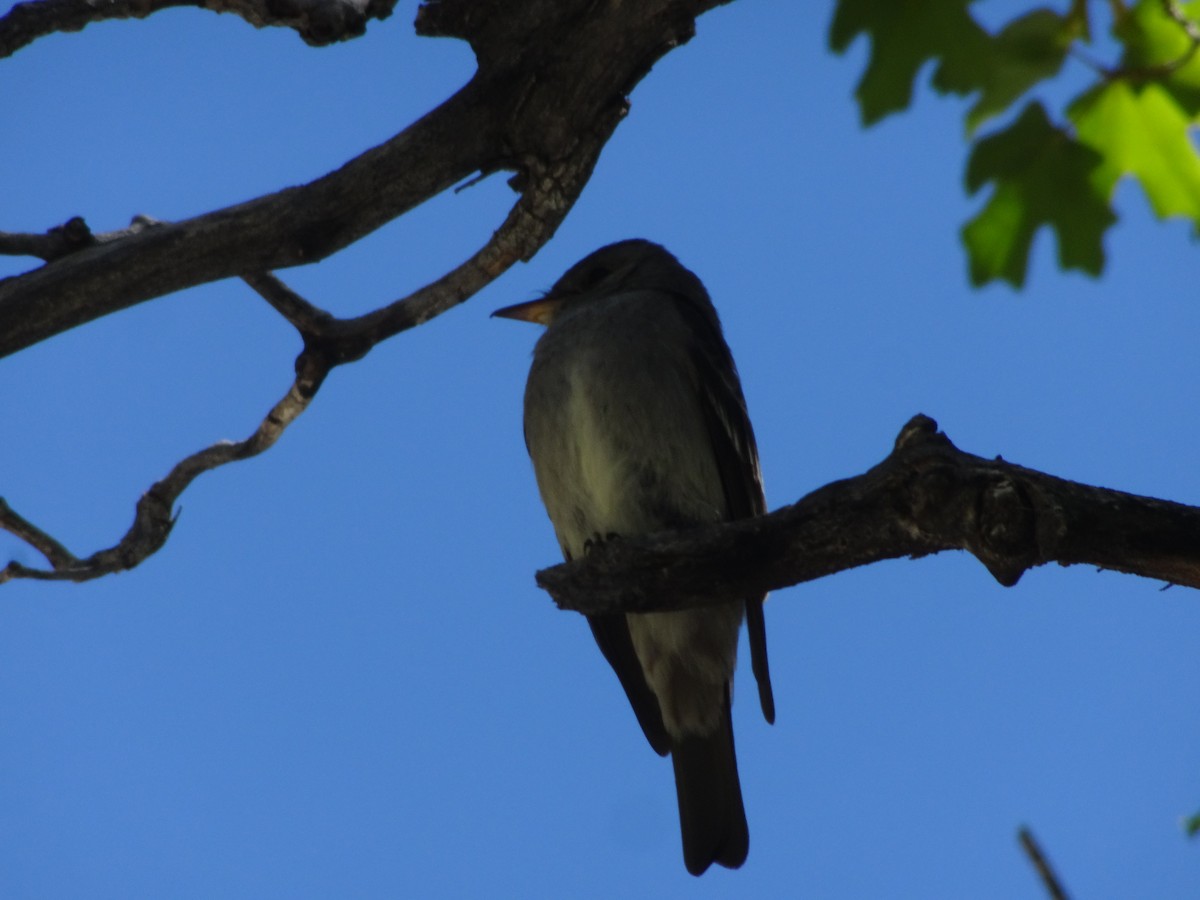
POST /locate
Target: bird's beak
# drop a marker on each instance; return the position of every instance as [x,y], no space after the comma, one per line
[539,311]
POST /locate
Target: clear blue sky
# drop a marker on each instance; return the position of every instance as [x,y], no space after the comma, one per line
[338,678]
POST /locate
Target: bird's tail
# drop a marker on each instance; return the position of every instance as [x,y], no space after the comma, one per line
[711,816]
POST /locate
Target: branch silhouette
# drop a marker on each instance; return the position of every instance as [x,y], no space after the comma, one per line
[551,87]
[318,22]
[927,496]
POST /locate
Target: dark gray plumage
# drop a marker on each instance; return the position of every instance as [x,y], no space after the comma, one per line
[635,422]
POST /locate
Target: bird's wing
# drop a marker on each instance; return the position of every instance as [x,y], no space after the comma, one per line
[736,452]
[612,635]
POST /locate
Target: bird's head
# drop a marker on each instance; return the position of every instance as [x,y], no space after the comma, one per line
[634,264]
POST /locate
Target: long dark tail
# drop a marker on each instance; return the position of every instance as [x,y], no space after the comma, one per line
[711,816]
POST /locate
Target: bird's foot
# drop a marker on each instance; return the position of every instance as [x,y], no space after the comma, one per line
[597,541]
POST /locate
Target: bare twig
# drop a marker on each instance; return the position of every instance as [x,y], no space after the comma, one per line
[58,555]
[550,193]
[155,517]
[309,320]
[72,236]
[1033,850]
[329,342]
[58,241]
[529,225]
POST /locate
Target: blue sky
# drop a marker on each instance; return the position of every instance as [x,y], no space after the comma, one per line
[339,679]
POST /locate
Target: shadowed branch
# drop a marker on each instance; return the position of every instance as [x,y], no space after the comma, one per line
[318,22]
[550,89]
[927,496]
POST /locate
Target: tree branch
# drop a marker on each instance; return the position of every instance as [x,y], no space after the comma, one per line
[58,555]
[311,321]
[282,229]
[318,22]
[925,497]
[328,342]
[154,518]
[550,90]
[60,240]
[1041,865]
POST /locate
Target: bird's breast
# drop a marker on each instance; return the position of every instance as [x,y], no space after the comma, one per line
[616,432]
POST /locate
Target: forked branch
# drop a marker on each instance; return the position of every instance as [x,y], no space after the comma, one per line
[550,90]
[328,342]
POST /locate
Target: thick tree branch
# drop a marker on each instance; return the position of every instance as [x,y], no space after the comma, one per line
[292,226]
[319,22]
[925,497]
[549,92]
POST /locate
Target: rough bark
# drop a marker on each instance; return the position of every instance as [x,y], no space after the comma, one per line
[925,497]
[318,22]
[550,89]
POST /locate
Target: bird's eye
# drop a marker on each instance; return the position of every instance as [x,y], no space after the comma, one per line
[593,277]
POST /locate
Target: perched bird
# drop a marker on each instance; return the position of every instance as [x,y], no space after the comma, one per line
[635,422]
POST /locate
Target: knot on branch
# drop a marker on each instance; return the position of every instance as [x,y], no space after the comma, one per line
[59,241]
[1007,531]
[73,235]
[319,23]
[925,497]
[155,519]
[917,430]
[959,500]
[312,367]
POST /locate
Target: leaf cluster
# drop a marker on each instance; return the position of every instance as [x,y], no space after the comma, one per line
[1057,169]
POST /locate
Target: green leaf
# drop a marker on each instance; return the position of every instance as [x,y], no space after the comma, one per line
[1041,176]
[1142,132]
[1192,825]
[1027,50]
[905,34]
[1154,40]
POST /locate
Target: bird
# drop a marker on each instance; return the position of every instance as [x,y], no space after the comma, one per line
[635,423]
